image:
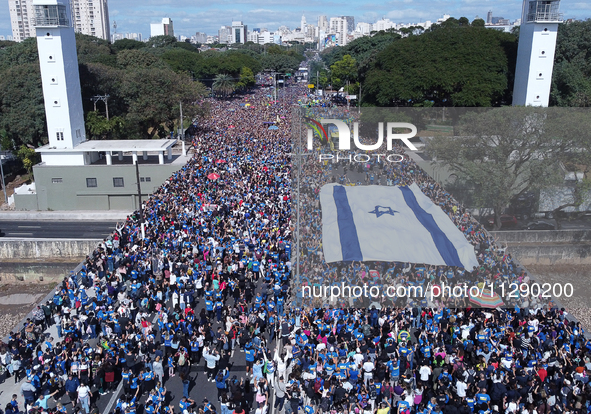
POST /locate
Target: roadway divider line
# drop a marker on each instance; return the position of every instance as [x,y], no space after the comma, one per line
[113,398]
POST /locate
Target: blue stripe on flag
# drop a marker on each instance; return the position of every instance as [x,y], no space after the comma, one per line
[446,248]
[347,230]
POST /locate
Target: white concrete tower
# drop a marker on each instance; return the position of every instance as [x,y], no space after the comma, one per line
[56,45]
[303,24]
[535,53]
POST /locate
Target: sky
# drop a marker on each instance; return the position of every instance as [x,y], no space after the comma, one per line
[190,16]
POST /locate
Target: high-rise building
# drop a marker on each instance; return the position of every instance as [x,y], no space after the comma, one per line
[323,23]
[350,23]
[239,32]
[339,26]
[489,17]
[225,35]
[253,37]
[165,28]
[58,60]
[90,17]
[199,38]
[535,52]
[20,13]
[383,24]
[303,27]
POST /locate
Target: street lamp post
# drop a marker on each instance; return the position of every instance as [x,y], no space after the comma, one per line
[2,173]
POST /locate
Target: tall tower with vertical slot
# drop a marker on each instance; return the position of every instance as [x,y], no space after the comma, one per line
[535,54]
[56,45]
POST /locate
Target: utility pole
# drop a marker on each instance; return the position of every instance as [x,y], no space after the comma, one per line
[105,99]
[139,192]
[182,133]
[2,173]
[359,100]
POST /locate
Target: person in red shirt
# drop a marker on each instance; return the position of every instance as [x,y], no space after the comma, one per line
[542,373]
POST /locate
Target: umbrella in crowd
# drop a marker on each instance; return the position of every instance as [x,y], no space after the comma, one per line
[213,176]
[486,299]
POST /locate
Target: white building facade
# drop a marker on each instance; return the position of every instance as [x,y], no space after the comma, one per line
[90,17]
[239,32]
[165,28]
[535,53]
[58,60]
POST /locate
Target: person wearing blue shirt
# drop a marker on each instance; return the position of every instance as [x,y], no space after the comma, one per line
[249,354]
[482,400]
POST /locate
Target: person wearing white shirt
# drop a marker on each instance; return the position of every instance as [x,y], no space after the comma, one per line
[358,358]
[461,388]
[368,368]
[425,372]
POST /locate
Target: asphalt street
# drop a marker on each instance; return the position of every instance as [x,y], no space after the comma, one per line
[56,229]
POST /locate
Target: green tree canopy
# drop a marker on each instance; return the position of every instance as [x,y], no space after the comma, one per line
[138,58]
[571,80]
[22,112]
[127,44]
[450,66]
[223,85]
[152,96]
[247,79]
[343,71]
[161,41]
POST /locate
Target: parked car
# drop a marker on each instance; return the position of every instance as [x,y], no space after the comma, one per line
[507,221]
[540,225]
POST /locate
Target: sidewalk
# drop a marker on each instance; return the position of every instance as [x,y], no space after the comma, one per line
[73,215]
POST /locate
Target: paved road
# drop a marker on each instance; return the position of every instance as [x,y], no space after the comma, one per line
[57,229]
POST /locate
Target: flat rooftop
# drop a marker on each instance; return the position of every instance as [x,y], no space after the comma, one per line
[138,145]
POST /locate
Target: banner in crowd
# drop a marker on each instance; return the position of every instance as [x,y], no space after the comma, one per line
[393,224]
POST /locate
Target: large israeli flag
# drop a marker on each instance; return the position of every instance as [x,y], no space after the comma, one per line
[392,224]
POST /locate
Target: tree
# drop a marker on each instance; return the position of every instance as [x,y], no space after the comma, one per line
[127,44]
[247,79]
[161,41]
[19,54]
[280,63]
[28,157]
[571,79]
[138,58]
[223,85]
[6,144]
[152,97]
[343,71]
[186,46]
[478,23]
[451,66]
[181,60]
[92,49]
[463,21]
[504,152]
[22,113]
[102,128]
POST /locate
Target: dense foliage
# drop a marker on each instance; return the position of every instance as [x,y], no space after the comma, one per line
[455,63]
[146,82]
[571,80]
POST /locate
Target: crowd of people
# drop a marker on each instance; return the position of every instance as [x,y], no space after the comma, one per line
[211,278]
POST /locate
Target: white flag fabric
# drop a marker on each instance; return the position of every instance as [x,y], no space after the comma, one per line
[392,224]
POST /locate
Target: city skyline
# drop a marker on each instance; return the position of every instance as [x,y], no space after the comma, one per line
[135,16]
